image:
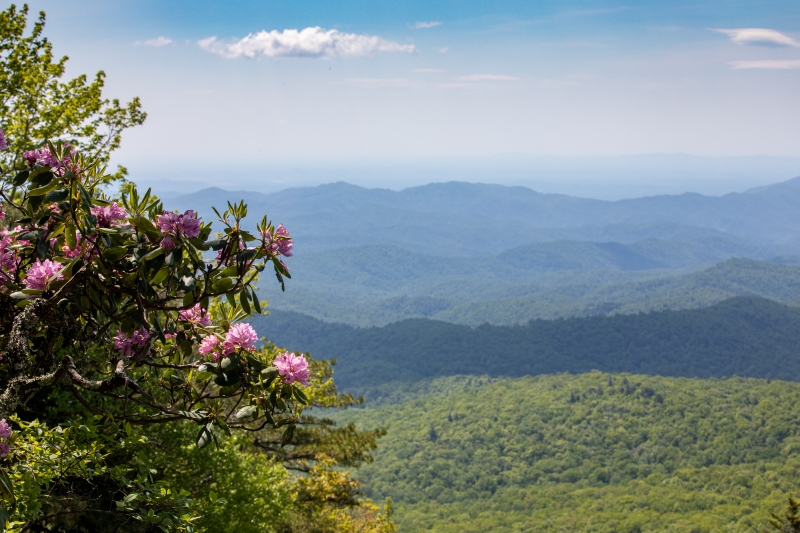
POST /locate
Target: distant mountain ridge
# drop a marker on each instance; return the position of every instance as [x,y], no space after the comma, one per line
[454,215]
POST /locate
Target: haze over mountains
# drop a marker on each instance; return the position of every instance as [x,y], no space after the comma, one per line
[474,253]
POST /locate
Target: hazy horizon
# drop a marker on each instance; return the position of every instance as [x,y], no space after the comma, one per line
[607,178]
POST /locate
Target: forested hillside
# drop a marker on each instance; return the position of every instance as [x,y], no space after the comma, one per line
[377,286]
[743,336]
[594,452]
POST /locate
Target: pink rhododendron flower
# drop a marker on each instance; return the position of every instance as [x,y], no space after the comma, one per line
[210,346]
[167,243]
[280,243]
[196,316]
[293,368]
[41,273]
[71,254]
[2,212]
[4,450]
[3,140]
[127,346]
[8,259]
[241,336]
[44,157]
[5,429]
[109,215]
[175,225]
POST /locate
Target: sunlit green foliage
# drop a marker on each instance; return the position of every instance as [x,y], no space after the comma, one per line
[37,106]
[594,452]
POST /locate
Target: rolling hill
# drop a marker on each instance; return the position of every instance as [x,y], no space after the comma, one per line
[377,286]
[744,336]
[593,452]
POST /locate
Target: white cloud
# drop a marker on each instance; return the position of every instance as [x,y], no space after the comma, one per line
[781,64]
[158,42]
[428,70]
[487,77]
[759,36]
[423,25]
[377,83]
[310,42]
[444,49]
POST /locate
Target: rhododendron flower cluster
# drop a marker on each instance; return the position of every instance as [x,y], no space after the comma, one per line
[127,346]
[279,243]
[292,367]
[5,434]
[3,141]
[175,226]
[43,157]
[196,316]
[241,336]
[8,259]
[109,215]
[41,273]
[210,346]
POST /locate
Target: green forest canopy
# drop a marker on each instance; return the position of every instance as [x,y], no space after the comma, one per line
[593,452]
[742,336]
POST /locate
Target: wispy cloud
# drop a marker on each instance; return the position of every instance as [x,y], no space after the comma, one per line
[158,42]
[444,49]
[378,83]
[487,77]
[759,37]
[310,42]
[779,64]
[428,70]
[424,25]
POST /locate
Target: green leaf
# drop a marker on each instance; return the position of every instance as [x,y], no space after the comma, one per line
[155,253]
[160,276]
[21,178]
[69,236]
[31,235]
[35,292]
[194,415]
[174,256]
[227,380]
[7,488]
[216,244]
[57,195]
[222,285]
[204,437]
[113,254]
[188,298]
[248,411]
[42,247]
[203,376]
[270,371]
[231,297]
[41,191]
[244,302]
[231,271]
[256,303]
[286,438]
[300,395]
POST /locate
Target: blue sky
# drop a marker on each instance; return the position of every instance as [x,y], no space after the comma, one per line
[440,81]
